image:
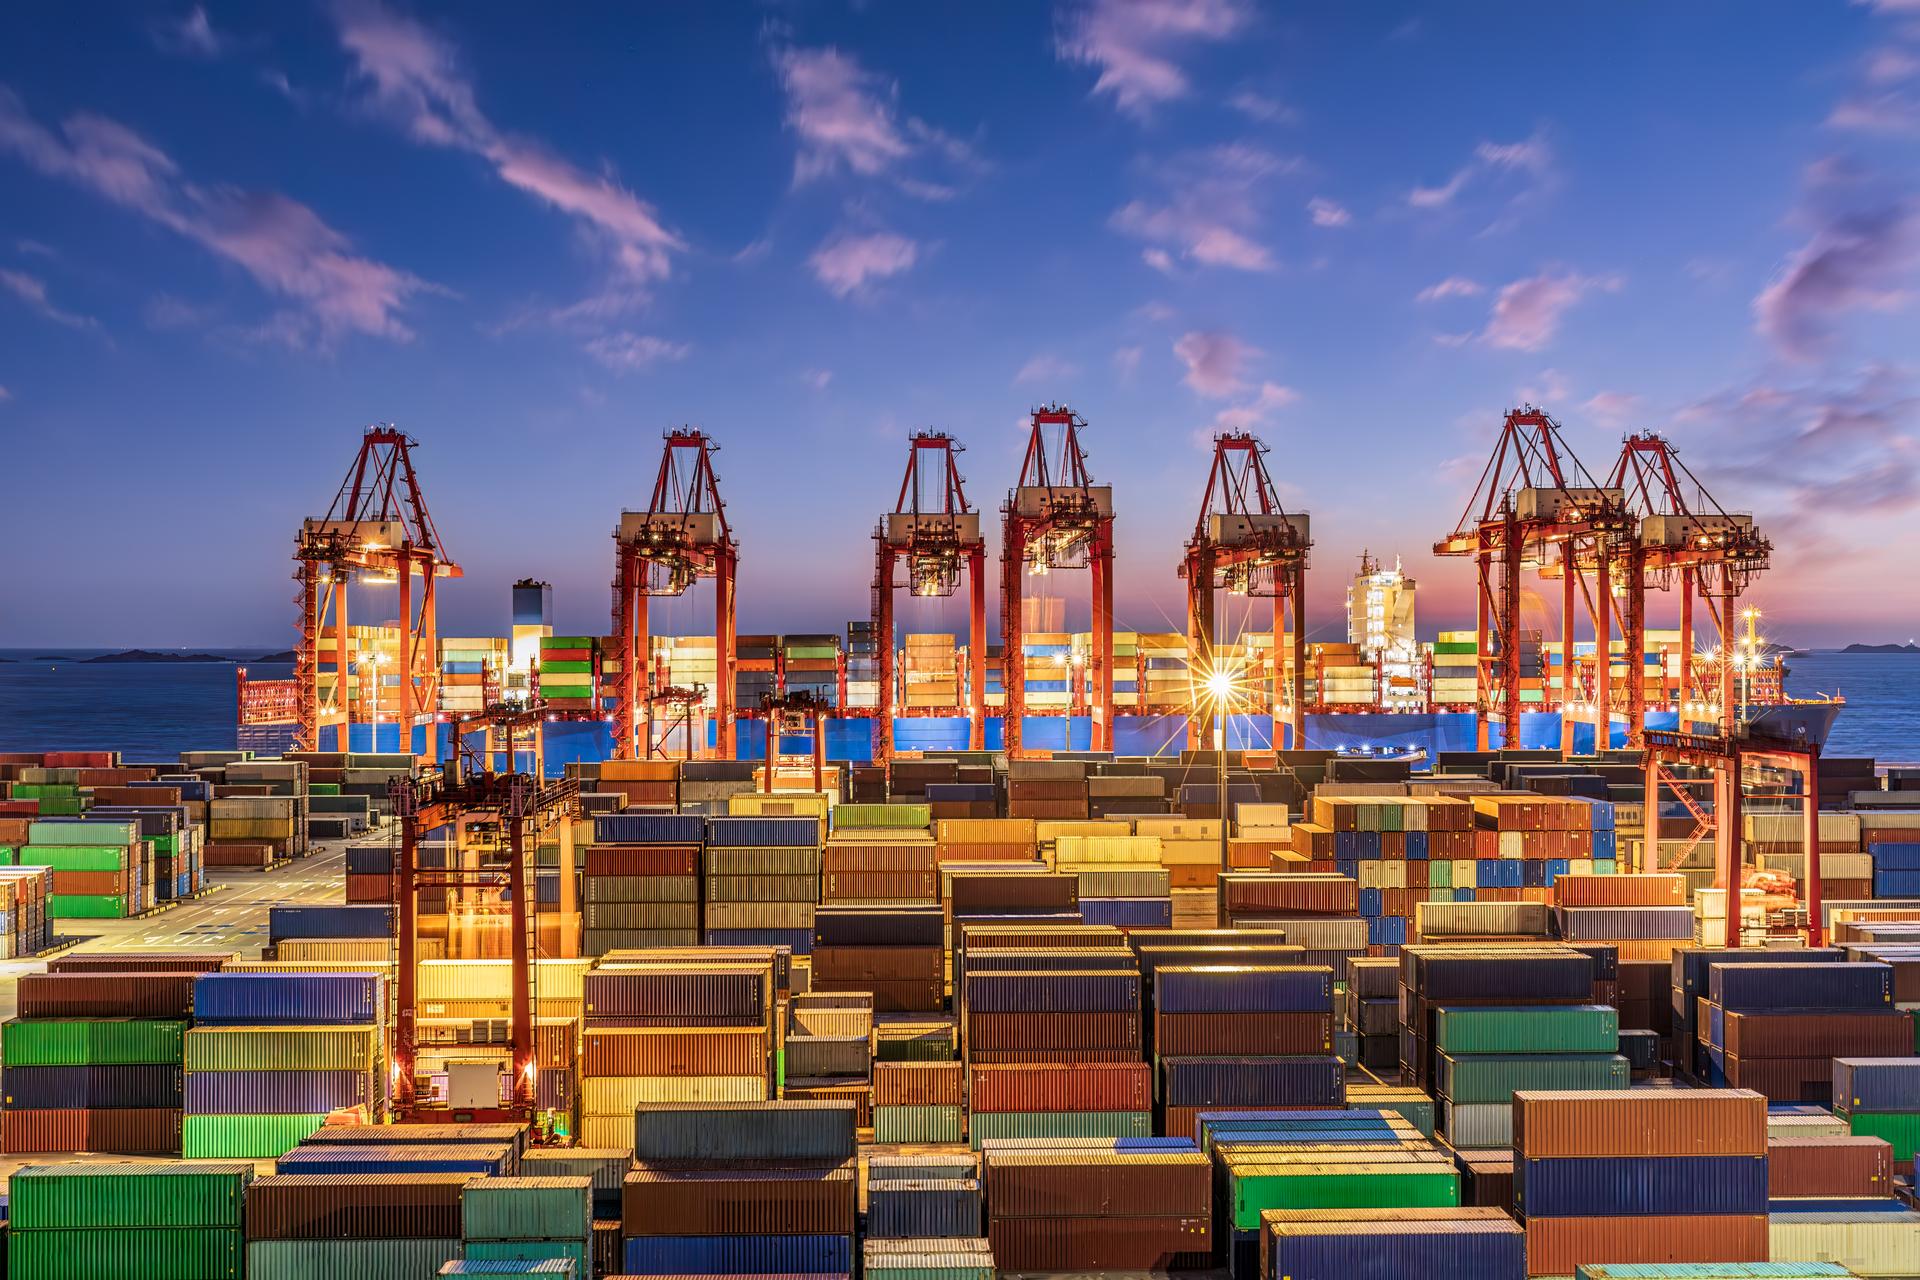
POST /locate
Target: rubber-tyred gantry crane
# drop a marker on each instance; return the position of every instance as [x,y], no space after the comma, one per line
[377,529]
[1713,553]
[1246,544]
[680,537]
[1536,506]
[937,533]
[1057,518]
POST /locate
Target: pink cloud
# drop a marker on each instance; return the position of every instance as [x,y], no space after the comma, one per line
[191,35]
[1260,107]
[1855,261]
[625,352]
[843,114]
[1451,287]
[33,291]
[1211,212]
[1045,367]
[845,265]
[1612,407]
[1527,313]
[284,245]
[1213,361]
[1133,43]
[1532,156]
[1328,213]
[1255,412]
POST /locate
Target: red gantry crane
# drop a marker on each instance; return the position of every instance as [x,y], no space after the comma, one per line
[1536,507]
[1057,518]
[1245,544]
[680,537]
[377,530]
[934,529]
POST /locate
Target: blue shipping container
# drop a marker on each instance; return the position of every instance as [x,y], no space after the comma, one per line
[649,828]
[293,999]
[1299,1081]
[1377,1250]
[1639,1186]
[738,1255]
[364,920]
[1800,986]
[1217,989]
[763,832]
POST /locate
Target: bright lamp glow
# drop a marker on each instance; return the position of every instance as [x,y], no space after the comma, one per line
[1220,686]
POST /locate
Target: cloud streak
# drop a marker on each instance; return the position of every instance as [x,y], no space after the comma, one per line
[33,291]
[626,352]
[1531,157]
[1213,361]
[1855,261]
[848,263]
[847,119]
[1210,214]
[1134,44]
[1527,313]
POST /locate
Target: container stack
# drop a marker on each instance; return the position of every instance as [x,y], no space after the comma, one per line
[1488,1053]
[271,1054]
[1318,911]
[303,1225]
[828,1049]
[735,1189]
[1783,1014]
[642,882]
[25,929]
[101,870]
[986,840]
[1046,788]
[1691,996]
[1328,1244]
[922,1259]
[918,1101]
[762,881]
[663,1032]
[933,1198]
[1640,1176]
[527,1219]
[1242,1037]
[71,1220]
[1121,879]
[641,784]
[1097,1208]
[568,665]
[930,672]
[1373,1012]
[858,869]
[896,954]
[1880,1098]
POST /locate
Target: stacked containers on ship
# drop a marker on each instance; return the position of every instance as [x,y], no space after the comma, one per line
[528,1219]
[71,1220]
[672,1032]
[642,884]
[1640,1176]
[1054,1051]
[1766,1025]
[741,1188]
[924,1197]
[101,869]
[895,953]
[93,1061]
[569,667]
[1097,1207]
[270,1055]
[306,1225]
[762,881]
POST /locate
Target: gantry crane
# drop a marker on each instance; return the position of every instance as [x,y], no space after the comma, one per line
[1057,518]
[1245,544]
[934,529]
[680,537]
[377,529]
[1713,553]
[1537,507]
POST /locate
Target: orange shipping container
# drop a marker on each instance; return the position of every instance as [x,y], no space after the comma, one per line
[1556,1246]
[1678,1122]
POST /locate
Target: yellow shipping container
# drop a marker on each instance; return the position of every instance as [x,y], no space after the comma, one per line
[612,1095]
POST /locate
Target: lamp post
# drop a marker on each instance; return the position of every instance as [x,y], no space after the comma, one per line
[1220,694]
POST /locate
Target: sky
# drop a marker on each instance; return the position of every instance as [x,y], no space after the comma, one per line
[232,236]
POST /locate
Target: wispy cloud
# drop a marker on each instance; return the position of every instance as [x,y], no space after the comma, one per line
[415,79]
[1210,214]
[1255,413]
[1451,287]
[1134,44]
[5,395]
[33,291]
[1045,367]
[817,378]
[1214,361]
[1259,107]
[847,119]
[285,246]
[1531,158]
[1328,213]
[1527,313]
[1863,249]
[625,352]
[1613,408]
[846,264]
[190,35]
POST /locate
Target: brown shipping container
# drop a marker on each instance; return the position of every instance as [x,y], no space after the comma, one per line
[680,993]
[359,1206]
[1704,1122]
[984,851]
[891,995]
[1820,1035]
[1066,1182]
[643,860]
[1053,1031]
[130,1131]
[220,853]
[105,883]
[917,1084]
[880,964]
[658,1200]
[829,1090]
[1651,890]
[882,886]
[1047,808]
[1555,1246]
[1100,1243]
[1829,1168]
[1062,1087]
[850,857]
[1186,1035]
[1047,789]
[137,962]
[1783,1079]
[105,995]
[674,1051]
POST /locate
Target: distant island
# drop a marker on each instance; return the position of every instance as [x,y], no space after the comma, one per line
[285,655]
[148,655]
[1909,647]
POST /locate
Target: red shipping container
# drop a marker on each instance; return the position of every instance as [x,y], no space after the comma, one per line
[1061,1087]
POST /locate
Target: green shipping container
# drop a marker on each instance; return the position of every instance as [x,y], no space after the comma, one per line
[852,816]
[1493,1077]
[568,642]
[255,1137]
[119,832]
[1900,1128]
[581,1251]
[323,788]
[916,1043]
[348,1259]
[1536,1029]
[102,1042]
[982,1125]
[1439,875]
[75,857]
[45,791]
[72,1197]
[917,1124]
[813,651]
[935,1264]
[1311,1186]
[546,1208]
[86,906]
[564,667]
[281,1048]
[150,1253]
[555,689]
[1456,646]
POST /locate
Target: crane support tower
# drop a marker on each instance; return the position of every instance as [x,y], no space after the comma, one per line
[1711,552]
[1536,507]
[934,529]
[377,530]
[680,537]
[1246,545]
[1057,518]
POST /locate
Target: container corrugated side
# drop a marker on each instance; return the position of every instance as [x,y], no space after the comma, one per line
[162,1253]
[1555,1246]
[1867,1244]
[1438,1250]
[1631,1186]
[399,1259]
[73,1197]
[745,1131]
[1640,1123]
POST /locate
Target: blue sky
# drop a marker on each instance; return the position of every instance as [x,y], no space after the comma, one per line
[233,235]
